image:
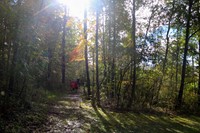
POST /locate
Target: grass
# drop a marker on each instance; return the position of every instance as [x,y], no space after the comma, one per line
[130,122]
[96,120]
[28,116]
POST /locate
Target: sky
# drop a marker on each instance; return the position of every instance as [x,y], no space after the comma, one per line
[76,7]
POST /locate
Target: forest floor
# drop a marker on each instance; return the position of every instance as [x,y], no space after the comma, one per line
[71,114]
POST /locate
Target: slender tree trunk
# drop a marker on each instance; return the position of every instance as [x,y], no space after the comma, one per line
[109,47]
[119,88]
[113,53]
[180,95]
[8,61]
[49,65]
[193,73]
[134,57]
[97,57]
[3,62]
[199,61]
[104,49]
[167,37]
[93,76]
[86,53]
[15,52]
[199,78]
[166,51]
[3,47]
[148,27]
[12,69]
[63,46]
[177,58]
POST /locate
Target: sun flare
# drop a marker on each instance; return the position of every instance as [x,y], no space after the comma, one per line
[76,7]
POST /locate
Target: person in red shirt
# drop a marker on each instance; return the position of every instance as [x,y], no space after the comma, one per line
[74,85]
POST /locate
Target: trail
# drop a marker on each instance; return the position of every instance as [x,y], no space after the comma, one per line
[67,116]
[72,114]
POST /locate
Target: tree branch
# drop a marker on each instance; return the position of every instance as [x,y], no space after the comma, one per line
[194,33]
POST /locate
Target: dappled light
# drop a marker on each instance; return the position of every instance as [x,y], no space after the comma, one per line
[99,66]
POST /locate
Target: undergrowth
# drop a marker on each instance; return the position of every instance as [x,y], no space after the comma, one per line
[26,115]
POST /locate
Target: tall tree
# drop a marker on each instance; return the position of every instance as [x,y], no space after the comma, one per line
[133,74]
[63,60]
[180,94]
[199,56]
[97,57]
[15,49]
[86,53]
[113,50]
[199,77]
[167,47]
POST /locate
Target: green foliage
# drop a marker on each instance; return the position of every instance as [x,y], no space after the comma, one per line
[30,55]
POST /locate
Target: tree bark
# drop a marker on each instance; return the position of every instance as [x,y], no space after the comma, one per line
[15,52]
[63,46]
[166,51]
[86,53]
[167,37]
[199,78]
[93,76]
[49,64]
[97,57]
[177,57]
[104,49]
[109,48]
[180,94]
[113,53]
[134,57]
[199,61]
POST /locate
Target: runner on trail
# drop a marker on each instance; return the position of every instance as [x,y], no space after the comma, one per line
[74,85]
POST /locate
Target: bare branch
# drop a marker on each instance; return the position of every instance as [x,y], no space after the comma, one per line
[194,33]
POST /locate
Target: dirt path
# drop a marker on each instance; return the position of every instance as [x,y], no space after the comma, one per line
[70,114]
[67,116]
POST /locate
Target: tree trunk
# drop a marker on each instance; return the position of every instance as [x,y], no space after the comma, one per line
[113,53]
[134,57]
[105,56]
[3,59]
[12,69]
[93,77]
[104,49]
[97,57]
[199,61]
[166,52]
[177,57]
[167,37]
[180,95]
[86,53]
[109,48]
[199,78]
[49,64]
[63,46]
[15,52]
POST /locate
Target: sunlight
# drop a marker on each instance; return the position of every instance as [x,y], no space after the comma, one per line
[76,7]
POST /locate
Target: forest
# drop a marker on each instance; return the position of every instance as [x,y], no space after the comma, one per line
[137,63]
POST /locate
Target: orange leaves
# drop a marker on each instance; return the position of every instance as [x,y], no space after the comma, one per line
[77,53]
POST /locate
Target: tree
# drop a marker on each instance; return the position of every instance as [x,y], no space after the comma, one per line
[133,74]
[97,57]
[199,57]
[180,94]
[113,86]
[199,77]
[86,52]
[63,44]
